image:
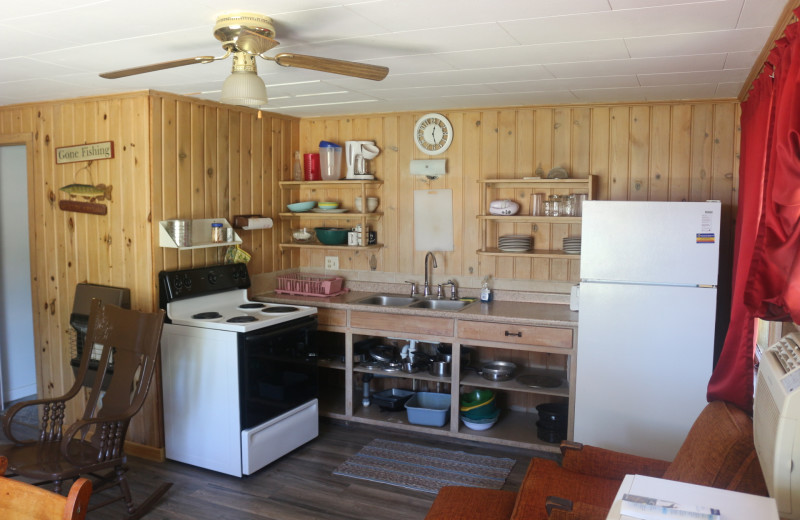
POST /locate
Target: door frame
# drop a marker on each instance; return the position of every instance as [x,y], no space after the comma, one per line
[26,139]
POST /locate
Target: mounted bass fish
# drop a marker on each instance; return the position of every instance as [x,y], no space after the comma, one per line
[88,191]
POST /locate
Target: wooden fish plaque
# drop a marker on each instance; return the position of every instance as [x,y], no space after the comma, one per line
[85,152]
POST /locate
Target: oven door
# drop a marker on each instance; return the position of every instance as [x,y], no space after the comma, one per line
[277,369]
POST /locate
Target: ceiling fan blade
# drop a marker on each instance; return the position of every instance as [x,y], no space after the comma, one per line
[346,68]
[254,42]
[156,66]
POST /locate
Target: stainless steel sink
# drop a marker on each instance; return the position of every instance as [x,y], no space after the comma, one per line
[387,300]
[440,305]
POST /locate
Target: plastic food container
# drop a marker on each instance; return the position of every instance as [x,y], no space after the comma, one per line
[392,399]
[330,161]
[428,408]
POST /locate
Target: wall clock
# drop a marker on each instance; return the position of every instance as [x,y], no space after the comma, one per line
[433,134]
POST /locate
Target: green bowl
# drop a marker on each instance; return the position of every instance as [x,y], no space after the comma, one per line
[475,398]
[331,236]
[481,412]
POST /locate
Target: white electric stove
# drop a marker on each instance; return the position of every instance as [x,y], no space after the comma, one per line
[239,377]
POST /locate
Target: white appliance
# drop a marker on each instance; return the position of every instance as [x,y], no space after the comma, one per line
[239,378]
[776,423]
[646,323]
[357,153]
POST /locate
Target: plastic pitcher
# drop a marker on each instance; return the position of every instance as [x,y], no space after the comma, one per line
[330,161]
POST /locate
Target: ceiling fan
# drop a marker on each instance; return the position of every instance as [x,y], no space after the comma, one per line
[247,36]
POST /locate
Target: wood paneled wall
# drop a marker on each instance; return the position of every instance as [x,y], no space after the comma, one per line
[666,151]
[177,157]
[212,160]
[174,158]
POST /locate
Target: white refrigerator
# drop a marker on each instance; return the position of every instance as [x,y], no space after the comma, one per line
[647,312]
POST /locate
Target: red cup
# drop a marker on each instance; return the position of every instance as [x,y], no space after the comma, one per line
[311,171]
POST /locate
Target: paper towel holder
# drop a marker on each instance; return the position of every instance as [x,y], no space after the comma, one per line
[430,168]
[243,222]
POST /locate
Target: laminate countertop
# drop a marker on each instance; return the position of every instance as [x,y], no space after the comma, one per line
[525,313]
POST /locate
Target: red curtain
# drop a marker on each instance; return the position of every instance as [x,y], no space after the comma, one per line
[766,279]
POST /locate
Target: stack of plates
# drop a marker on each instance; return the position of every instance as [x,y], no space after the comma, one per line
[572,245]
[515,243]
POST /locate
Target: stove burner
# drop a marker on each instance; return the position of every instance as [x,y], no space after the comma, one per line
[278,309]
[242,319]
[254,305]
[206,315]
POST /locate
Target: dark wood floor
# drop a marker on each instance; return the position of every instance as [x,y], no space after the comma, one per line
[301,485]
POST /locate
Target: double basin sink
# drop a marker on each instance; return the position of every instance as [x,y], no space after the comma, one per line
[394,300]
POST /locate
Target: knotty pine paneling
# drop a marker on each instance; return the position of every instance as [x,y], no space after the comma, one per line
[661,151]
[175,157]
[212,160]
[69,248]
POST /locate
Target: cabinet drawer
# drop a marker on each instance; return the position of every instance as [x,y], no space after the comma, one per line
[332,317]
[519,334]
[401,323]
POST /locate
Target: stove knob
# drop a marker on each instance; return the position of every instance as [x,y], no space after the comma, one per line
[212,278]
[187,282]
[178,283]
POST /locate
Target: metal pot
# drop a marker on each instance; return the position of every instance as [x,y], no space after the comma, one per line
[498,370]
[440,368]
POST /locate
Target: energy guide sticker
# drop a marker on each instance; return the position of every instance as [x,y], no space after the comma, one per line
[705,238]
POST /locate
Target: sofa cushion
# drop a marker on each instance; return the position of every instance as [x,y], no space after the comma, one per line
[719,452]
[547,478]
[468,503]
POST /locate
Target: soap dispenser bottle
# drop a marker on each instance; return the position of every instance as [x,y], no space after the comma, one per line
[486,292]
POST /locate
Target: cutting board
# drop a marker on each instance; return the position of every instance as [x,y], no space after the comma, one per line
[433,220]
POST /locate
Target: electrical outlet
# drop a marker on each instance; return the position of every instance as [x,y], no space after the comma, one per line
[331,263]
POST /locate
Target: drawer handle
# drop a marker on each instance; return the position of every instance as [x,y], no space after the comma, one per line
[517,334]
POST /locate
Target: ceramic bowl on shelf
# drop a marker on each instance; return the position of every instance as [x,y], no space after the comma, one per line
[328,205]
[331,236]
[299,207]
[372,204]
[481,424]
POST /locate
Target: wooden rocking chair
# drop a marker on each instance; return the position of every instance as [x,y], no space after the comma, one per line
[123,346]
[21,501]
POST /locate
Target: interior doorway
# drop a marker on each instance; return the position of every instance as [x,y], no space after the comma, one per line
[17,355]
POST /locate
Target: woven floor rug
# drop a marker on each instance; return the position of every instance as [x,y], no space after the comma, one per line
[424,469]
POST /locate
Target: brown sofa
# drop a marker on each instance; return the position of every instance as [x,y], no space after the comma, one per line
[717,452]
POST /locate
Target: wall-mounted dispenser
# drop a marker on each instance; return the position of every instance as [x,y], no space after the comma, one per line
[431,168]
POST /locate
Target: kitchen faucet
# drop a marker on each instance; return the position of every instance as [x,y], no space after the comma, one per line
[427,288]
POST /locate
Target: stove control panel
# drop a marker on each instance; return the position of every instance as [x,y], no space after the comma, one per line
[202,281]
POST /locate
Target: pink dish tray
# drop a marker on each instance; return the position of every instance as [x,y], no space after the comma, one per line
[310,285]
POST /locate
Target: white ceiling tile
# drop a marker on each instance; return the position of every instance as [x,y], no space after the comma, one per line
[679,92]
[409,15]
[706,16]
[17,69]
[609,95]
[687,78]
[538,53]
[637,66]
[436,91]
[735,40]
[729,90]
[548,85]
[761,13]
[741,60]
[618,5]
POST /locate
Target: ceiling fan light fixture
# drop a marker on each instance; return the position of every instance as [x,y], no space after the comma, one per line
[244,87]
